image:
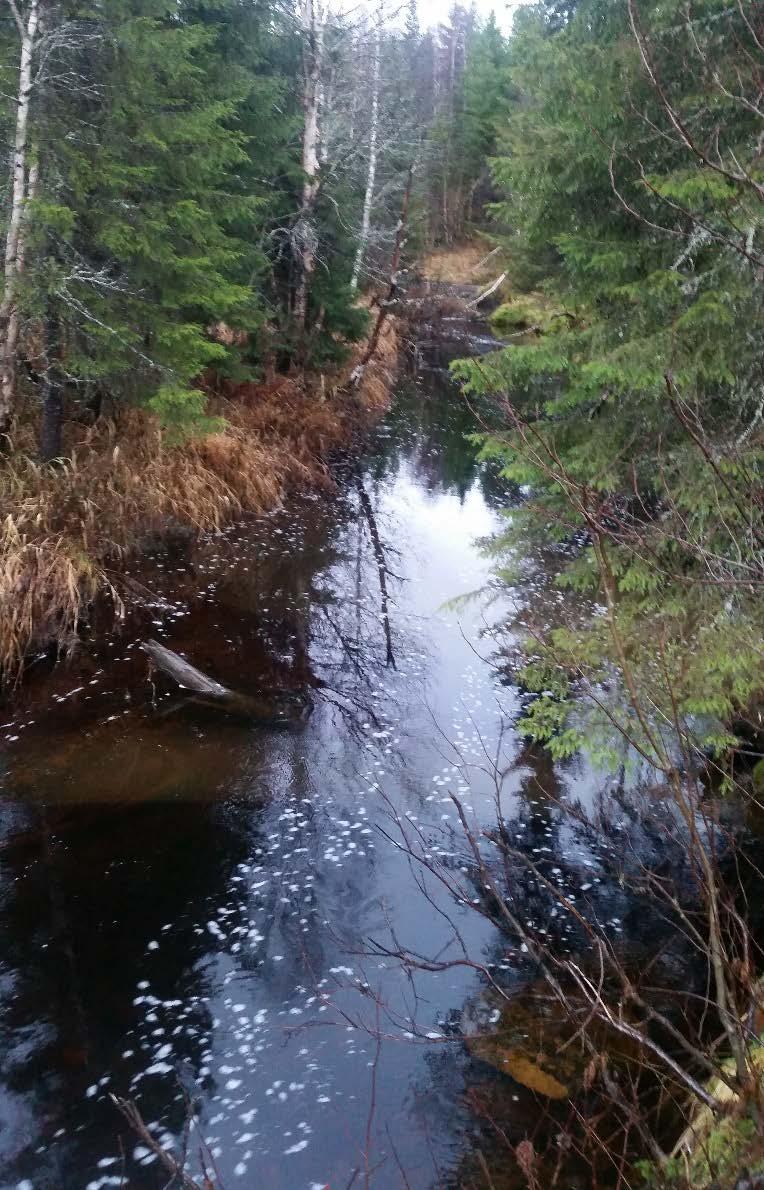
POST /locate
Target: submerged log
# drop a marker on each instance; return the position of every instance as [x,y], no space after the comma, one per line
[182,672]
[273,707]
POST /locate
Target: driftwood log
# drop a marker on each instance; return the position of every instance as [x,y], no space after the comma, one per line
[273,707]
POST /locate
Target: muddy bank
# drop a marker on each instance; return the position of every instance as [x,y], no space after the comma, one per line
[278,441]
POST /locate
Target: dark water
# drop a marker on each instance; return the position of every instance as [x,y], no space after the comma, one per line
[189,902]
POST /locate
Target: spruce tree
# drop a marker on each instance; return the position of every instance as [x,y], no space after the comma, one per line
[632,185]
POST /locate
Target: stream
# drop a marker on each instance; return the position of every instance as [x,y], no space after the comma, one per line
[194,906]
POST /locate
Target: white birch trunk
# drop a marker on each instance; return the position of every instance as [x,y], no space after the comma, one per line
[313,44]
[11,340]
[325,109]
[372,171]
[14,250]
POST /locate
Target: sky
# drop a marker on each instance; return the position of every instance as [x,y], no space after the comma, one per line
[432,12]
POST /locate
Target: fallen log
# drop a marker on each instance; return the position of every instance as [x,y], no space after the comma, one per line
[487,292]
[182,672]
[272,707]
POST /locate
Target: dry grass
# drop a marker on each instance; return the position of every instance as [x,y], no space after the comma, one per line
[461,265]
[65,530]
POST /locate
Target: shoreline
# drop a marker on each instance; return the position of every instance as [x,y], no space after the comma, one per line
[122,490]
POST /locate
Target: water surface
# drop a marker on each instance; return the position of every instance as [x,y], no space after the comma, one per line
[189,904]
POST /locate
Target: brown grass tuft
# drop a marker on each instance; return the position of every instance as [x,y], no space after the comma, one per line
[66,529]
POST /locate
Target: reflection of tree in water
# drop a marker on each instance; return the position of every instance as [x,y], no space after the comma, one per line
[430,429]
[120,882]
[264,603]
[308,597]
[114,877]
[299,600]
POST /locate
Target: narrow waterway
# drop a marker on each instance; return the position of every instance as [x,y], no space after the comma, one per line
[192,905]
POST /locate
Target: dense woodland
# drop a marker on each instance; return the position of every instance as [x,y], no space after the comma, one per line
[206,186]
[629,174]
[207,196]
[205,189]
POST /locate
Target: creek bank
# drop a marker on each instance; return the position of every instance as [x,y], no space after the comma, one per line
[222,872]
[123,489]
[714,1150]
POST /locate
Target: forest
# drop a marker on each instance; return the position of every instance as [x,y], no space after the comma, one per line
[196,198]
[238,236]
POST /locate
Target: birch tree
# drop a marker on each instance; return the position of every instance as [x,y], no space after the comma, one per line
[372,166]
[312,19]
[23,184]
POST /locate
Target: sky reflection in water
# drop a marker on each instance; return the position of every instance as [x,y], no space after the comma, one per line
[188,899]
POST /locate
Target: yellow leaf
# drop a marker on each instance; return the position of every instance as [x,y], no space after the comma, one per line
[521,1068]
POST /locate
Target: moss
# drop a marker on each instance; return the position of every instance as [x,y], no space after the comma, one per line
[724,1151]
[530,311]
[713,1150]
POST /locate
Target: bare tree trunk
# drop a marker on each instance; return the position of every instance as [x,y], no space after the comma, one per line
[444,204]
[392,288]
[445,198]
[353,84]
[313,47]
[14,236]
[372,171]
[325,108]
